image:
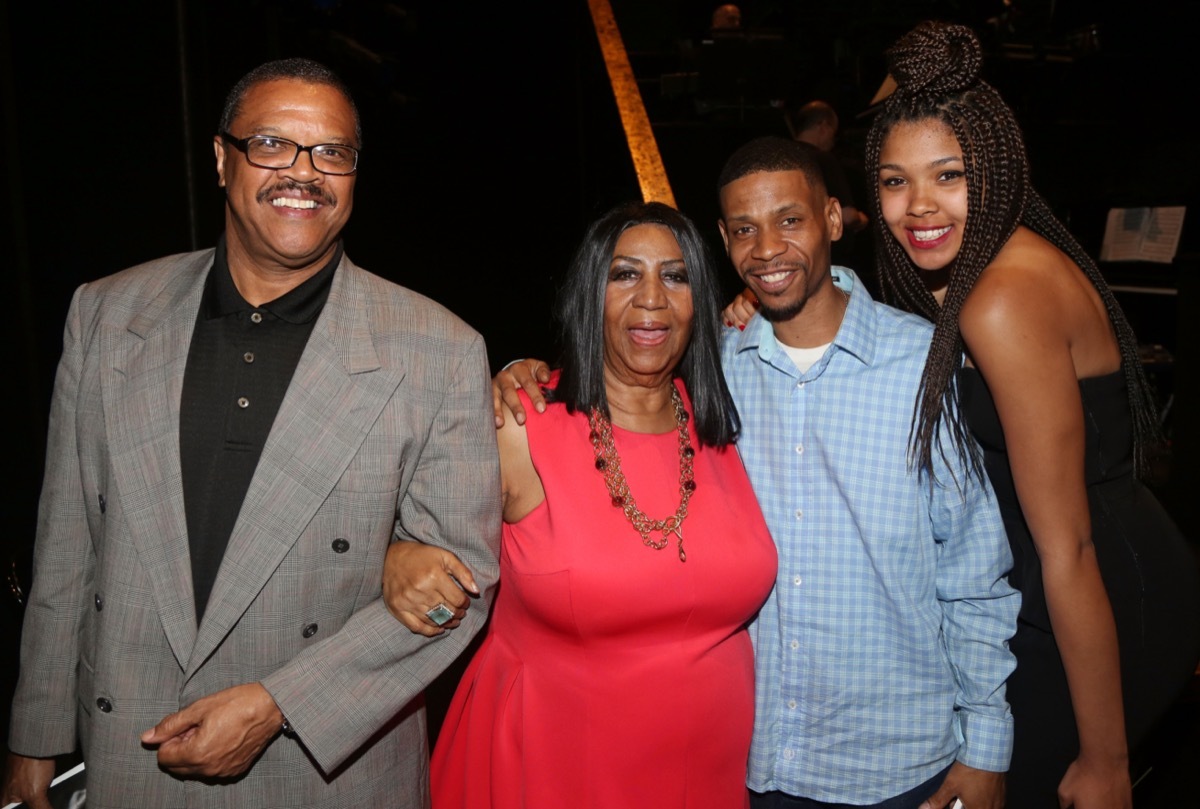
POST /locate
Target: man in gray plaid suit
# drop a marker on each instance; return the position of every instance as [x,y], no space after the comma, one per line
[236,437]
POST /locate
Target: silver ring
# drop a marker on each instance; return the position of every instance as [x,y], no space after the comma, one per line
[440,614]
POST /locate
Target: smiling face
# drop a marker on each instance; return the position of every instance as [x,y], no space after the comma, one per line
[647,308]
[777,230]
[923,191]
[286,220]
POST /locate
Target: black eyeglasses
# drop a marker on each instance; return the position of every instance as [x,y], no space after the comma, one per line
[269,152]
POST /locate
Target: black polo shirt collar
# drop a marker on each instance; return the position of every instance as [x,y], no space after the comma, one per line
[301,305]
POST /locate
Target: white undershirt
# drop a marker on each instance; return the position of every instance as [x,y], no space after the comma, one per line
[803,358]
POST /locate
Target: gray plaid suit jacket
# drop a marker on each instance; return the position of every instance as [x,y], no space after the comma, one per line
[385,431]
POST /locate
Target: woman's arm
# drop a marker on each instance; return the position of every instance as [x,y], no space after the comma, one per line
[521,485]
[418,577]
[1017,333]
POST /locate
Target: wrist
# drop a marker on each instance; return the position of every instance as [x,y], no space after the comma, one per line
[273,713]
[1104,755]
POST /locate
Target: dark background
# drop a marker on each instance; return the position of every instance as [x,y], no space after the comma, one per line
[491,139]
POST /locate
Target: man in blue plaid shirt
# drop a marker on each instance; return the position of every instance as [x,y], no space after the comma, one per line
[881,655]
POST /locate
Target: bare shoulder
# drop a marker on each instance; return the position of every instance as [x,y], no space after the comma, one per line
[1024,290]
[522,487]
[512,438]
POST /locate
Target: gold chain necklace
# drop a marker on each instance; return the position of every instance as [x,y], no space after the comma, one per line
[608,463]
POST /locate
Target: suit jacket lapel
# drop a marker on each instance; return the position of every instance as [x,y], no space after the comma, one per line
[337,392]
[141,401]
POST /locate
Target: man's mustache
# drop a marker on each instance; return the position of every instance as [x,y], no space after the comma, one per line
[307,191]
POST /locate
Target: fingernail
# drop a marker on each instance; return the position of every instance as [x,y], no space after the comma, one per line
[741,327]
[728,323]
[541,408]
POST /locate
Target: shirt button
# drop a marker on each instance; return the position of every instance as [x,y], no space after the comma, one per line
[789,754]
[792,704]
[801,385]
[309,630]
[340,546]
[799,449]
[797,581]
[104,705]
[243,402]
[799,514]
[248,356]
[795,644]
[256,317]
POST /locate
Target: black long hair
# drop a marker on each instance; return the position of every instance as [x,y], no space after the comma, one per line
[580,313]
[936,68]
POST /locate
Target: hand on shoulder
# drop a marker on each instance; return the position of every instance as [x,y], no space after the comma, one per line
[528,375]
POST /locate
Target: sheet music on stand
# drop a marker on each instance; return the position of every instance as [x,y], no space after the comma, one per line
[67,791]
[1142,234]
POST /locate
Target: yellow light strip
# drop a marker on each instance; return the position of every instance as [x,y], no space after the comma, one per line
[647,162]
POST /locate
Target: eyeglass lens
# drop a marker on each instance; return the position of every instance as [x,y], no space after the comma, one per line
[276,153]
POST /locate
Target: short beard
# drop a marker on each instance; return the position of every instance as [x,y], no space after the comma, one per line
[774,314]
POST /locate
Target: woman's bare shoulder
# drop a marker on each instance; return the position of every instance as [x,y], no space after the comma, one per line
[1025,286]
[521,484]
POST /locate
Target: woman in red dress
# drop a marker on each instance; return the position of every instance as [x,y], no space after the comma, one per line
[617,670]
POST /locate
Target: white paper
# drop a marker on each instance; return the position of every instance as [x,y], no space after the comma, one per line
[1142,234]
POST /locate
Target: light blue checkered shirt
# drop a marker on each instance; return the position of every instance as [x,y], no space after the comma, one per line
[881,655]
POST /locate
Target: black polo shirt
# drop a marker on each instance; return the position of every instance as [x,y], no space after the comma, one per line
[240,363]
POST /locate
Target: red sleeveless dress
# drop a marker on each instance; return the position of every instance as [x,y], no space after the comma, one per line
[613,674]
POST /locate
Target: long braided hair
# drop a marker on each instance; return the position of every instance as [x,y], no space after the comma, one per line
[936,67]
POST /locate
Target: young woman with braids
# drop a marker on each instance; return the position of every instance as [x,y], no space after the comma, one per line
[1032,356]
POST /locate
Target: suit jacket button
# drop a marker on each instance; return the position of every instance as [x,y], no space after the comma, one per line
[340,546]
[309,630]
[104,705]
[99,603]
[103,503]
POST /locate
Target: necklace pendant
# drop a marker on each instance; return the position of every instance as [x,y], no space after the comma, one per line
[677,530]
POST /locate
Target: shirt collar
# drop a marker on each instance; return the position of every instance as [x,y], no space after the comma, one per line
[855,335]
[300,305]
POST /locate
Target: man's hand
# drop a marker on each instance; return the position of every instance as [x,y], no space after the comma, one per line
[218,736]
[1096,785]
[528,374]
[417,578]
[27,779]
[977,789]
